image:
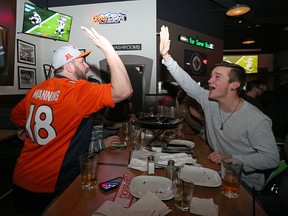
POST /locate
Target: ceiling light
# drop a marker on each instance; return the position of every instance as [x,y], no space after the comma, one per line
[248,41]
[238,10]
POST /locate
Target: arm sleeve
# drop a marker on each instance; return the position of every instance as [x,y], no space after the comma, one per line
[266,154]
[90,97]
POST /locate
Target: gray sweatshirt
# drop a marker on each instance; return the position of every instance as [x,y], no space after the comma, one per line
[247,135]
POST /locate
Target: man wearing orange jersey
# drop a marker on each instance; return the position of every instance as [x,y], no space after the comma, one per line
[57,116]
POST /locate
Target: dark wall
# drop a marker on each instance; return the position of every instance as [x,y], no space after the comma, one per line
[199,15]
[8,21]
[7,102]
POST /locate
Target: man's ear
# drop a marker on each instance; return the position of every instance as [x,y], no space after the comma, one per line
[69,67]
[235,85]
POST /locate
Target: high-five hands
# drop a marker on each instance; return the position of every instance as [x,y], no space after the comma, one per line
[164,42]
[97,39]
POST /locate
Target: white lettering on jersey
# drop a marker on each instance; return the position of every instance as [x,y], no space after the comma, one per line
[45,95]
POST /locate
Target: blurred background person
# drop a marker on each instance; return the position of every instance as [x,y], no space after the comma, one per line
[191,110]
[254,89]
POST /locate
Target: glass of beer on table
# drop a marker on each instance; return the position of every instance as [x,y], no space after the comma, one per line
[231,171]
[88,167]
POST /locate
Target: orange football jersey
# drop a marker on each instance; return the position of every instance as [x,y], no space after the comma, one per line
[57,117]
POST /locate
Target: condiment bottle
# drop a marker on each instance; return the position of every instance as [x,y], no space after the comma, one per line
[150,165]
[171,170]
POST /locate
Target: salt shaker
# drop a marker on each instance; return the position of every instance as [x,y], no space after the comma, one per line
[150,165]
[171,170]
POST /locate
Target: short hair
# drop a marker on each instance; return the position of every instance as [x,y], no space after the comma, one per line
[59,70]
[253,84]
[236,74]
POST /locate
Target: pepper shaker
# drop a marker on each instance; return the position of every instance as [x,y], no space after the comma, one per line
[171,170]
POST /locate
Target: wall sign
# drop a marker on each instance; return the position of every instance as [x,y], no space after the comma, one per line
[195,63]
[195,42]
[109,18]
[120,47]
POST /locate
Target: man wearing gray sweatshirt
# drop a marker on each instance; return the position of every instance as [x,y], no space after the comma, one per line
[234,127]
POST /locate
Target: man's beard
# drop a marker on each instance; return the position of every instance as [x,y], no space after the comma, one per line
[79,74]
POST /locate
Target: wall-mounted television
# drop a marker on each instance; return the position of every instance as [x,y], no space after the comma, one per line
[248,62]
[46,23]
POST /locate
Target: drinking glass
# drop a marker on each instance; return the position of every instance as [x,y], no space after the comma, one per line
[125,130]
[183,192]
[88,167]
[231,171]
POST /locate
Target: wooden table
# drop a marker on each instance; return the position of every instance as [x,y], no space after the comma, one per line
[113,163]
[7,134]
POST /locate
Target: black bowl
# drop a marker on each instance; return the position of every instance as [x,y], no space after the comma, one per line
[159,122]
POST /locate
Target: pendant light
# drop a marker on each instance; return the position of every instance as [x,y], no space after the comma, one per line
[238,10]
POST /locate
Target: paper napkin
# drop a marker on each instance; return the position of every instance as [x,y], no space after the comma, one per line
[151,201]
[139,159]
[148,205]
[110,208]
[204,207]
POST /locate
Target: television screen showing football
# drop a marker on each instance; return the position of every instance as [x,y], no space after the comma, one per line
[46,23]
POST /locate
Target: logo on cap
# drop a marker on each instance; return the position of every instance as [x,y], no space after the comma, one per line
[68,56]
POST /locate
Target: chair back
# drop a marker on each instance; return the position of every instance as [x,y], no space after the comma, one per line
[47,71]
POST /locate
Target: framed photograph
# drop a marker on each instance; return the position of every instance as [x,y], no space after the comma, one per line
[26,52]
[26,77]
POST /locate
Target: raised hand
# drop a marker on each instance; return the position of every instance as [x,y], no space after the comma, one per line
[96,38]
[164,41]
[121,85]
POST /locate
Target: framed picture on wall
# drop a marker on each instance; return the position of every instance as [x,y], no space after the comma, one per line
[26,77]
[26,52]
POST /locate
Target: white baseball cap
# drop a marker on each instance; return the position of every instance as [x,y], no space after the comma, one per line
[66,54]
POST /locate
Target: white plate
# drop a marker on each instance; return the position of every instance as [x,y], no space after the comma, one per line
[182,142]
[201,176]
[160,186]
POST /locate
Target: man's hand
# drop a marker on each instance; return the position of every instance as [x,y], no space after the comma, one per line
[217,157]
[100,41]
[21,134]
[120,82]
[109,141]
[164,42]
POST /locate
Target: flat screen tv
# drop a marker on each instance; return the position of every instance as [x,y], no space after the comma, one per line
[45,23]
[248,62]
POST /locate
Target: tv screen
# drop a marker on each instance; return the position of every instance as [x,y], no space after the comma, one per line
[45,23]
[248,62]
